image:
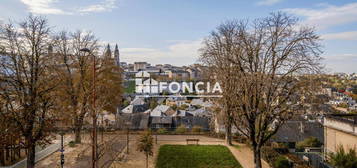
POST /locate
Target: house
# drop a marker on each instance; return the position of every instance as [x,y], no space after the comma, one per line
[201,103]
[178,101]
[182,113]
[197,102]
[106,119]
[177,74]
[138,101]
[136,121]
[297,130]
[160,100]
[130,109]
[340,130]
[161,111]
[194,73]
[140,66]
[206,105]
[327,91]
[353,107]
[201,112]
[161,122]
[220,127]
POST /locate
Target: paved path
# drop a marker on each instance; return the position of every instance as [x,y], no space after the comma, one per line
[39,155]
[245,156]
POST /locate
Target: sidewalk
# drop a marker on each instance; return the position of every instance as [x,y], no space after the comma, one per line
[40,154]
[248,160]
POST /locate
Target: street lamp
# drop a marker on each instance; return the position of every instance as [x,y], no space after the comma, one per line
[62,129]
[94,116]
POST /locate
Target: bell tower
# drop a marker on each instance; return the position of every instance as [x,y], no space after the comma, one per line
[116,55]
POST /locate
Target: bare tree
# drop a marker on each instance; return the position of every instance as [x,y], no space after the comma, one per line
[217,54]
[270,56]
[27,80]
[76,74]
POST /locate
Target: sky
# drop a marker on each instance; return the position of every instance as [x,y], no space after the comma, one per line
[171,31]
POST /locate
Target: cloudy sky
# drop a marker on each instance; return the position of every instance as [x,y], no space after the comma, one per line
[171,31]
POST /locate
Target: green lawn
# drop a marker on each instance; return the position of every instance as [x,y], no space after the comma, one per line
[196,156]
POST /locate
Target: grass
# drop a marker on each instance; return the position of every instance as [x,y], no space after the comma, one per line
[129,87]
[196,156]
[72,144]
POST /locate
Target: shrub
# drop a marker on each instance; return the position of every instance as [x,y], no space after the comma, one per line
[342,159]
[162,131]
[281,162]
[343,105]
[197,129]
[309,142]
[183,107]
[125,103]
[71,144]
[153,104]
[181,129]
[269,154]
[174,107]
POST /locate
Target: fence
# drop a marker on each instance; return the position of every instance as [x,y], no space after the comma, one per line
[314,159]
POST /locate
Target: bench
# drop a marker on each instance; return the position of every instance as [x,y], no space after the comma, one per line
[196,140]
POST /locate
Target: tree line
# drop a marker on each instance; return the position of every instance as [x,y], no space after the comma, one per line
[46,82]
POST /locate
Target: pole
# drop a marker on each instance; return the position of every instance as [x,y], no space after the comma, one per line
[102,127]
[62,150]
[127,141]
[94,140]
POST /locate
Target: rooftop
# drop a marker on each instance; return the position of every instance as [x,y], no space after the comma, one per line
[346,118]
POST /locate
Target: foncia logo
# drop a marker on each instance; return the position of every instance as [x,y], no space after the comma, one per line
[146,86]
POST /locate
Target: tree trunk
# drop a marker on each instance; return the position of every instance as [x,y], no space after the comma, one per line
[7,155]
[257,158]
[228,129]
[31,154]
[78,125]
[2,160]
[12,153]
[147,161]
[77,133]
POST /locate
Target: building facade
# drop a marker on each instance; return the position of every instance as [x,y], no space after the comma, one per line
[340,130]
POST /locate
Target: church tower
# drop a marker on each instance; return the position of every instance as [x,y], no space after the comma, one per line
[108,52]
[116,55]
